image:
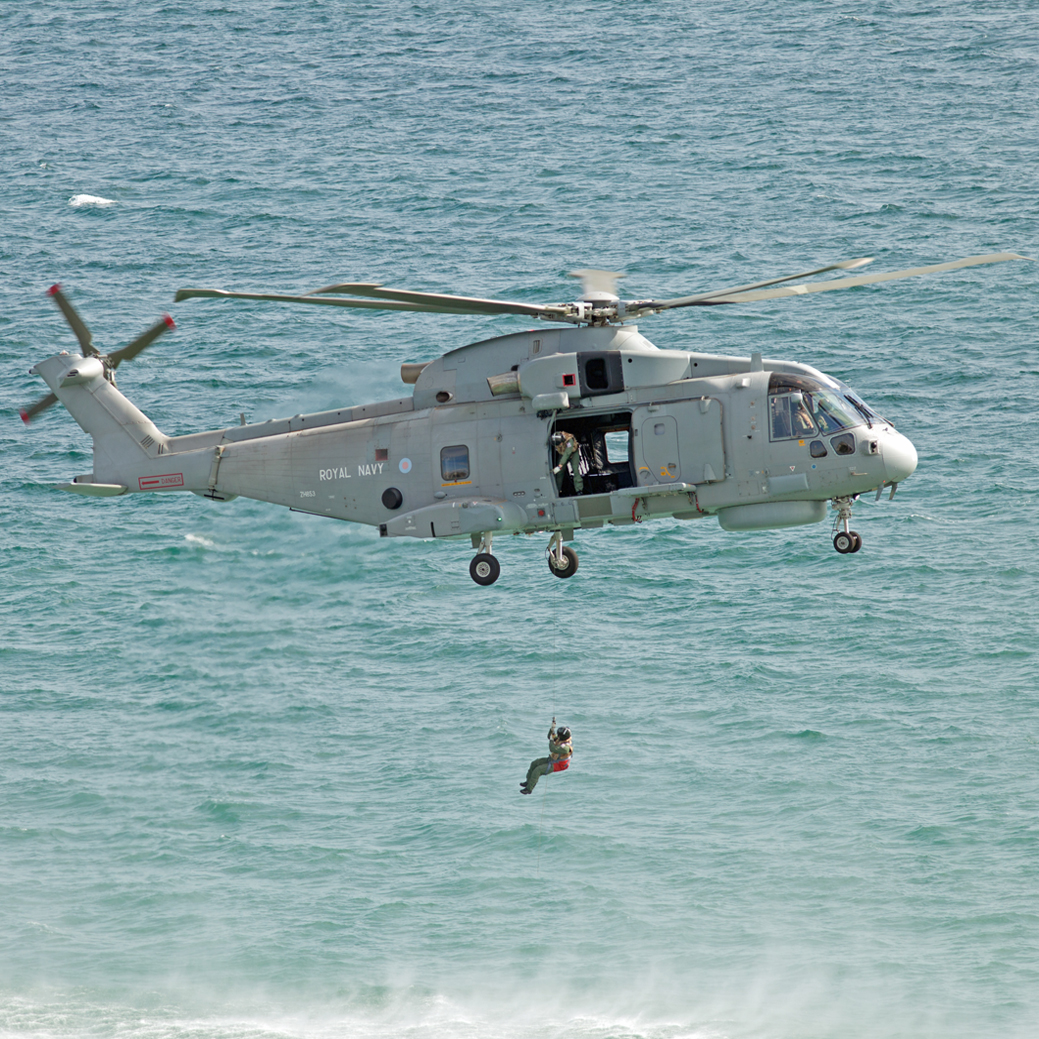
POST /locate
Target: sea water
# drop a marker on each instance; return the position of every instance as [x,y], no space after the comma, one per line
[259,770]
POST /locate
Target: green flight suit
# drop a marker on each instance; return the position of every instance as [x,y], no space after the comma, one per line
[569,452]
[558,760]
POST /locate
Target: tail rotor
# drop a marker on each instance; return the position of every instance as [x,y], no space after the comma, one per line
[86,345]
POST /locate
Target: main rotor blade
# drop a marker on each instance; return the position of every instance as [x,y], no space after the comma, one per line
[385,299]
[29,413]
[436,301]
[700,297]
[76,323]
[366,304]
[141,342]
[866,279]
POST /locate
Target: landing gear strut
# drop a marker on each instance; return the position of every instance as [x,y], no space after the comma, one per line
[485,568]
[845,540]
[562,560]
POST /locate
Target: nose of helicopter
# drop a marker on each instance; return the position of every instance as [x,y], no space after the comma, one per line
[899,457]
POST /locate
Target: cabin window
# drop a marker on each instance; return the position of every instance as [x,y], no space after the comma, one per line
[617,447]
[454,463]
[844,444]
[818,449]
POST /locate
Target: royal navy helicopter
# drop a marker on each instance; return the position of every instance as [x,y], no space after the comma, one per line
[541,431]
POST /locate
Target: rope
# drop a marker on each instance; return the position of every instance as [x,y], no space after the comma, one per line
[541,822]
[555,691]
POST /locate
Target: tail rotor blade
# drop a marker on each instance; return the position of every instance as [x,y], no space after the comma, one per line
[29,413]
[140,343]
[86,343]
[110,361]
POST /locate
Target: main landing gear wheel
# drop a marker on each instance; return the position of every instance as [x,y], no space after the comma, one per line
[847,541]
[484,569]
[569,562]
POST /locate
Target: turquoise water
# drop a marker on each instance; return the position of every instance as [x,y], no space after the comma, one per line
[258,770]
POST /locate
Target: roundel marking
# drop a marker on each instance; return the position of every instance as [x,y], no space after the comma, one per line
[405,465]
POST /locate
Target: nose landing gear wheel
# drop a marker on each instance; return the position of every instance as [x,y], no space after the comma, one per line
[484,569]
[847,541]
[569,567]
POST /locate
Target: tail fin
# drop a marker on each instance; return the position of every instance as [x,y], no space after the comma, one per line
[125,439]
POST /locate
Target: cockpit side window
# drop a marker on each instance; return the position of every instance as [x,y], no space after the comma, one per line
[800,417]
[789,417]
[779,417]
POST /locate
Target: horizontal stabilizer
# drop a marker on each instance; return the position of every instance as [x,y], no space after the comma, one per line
[94,490]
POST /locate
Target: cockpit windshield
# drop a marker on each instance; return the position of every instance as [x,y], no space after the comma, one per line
[800,407]
[863,408]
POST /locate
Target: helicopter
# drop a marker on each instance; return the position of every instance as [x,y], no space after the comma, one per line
[548,430]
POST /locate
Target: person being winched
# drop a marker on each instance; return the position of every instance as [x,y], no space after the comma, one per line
[560,750]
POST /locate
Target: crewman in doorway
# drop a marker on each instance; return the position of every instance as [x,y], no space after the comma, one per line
[560,750]
[569,452]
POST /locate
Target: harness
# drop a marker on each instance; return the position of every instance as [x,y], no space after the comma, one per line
[561,763]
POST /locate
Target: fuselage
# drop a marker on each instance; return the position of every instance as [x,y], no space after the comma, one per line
[470,452]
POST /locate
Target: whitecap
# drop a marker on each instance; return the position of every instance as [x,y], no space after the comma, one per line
[90,200]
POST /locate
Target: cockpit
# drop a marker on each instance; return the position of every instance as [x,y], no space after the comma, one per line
[800,407]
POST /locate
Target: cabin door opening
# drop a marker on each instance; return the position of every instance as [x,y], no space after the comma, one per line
[604,443]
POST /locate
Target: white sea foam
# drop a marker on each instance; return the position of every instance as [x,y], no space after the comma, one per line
[78,201]
[56,1017]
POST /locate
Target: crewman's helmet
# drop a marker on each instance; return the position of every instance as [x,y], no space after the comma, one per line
[563,733]
[557,438]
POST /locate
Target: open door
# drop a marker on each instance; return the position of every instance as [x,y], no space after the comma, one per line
[605,453]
